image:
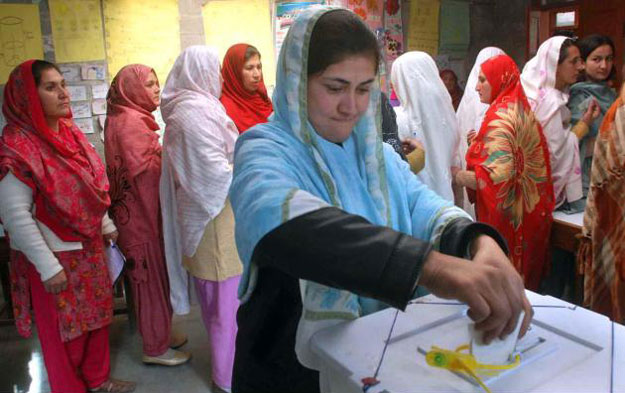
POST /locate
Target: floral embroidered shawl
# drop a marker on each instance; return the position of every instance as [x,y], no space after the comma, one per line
[68,179]
[511,162]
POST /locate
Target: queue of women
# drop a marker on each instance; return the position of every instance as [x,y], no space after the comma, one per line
[331,223]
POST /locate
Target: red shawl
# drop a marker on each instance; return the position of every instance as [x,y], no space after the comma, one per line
[511,162]
[601,256]
[68,179]
[244,108]
[133,157]
[130,127]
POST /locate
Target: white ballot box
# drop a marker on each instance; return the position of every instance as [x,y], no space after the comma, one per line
[568,349]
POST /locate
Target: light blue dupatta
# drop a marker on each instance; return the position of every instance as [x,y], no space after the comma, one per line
[283,169]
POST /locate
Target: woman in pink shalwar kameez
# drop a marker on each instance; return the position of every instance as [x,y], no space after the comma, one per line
[133,157]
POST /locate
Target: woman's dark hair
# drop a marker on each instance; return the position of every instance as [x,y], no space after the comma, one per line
[564,49]
[588,44]
[338,35]
[250,52]
[39,66]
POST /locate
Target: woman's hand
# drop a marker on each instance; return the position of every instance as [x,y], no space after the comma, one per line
[592,113]
[110,238]
[489,285]
[471,136]
[454,173]
[465,179]
[485,249]
[408,145]
[57,283]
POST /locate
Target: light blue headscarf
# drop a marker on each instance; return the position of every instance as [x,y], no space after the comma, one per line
[283,169]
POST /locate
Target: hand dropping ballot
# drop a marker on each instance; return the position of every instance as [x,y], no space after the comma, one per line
[498,351]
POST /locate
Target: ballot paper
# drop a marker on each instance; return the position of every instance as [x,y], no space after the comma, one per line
[498,351]
[115,261]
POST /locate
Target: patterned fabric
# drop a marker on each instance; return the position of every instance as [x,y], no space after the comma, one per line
[86,304]
[511,162]
[244,108]
[284,169]
[68,179]
[579,99]
[133,157]
[601,256]
[70,195]
[198,149]
[389,125]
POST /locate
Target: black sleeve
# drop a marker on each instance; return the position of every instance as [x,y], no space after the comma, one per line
[345,251]
[460,232]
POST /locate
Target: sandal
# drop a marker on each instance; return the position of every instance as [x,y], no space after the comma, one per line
[115,386]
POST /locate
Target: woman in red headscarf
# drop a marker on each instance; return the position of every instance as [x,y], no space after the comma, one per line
[53,202]
[508,170]
[133,157]
[244,94]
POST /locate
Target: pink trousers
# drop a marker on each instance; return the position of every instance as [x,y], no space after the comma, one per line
[75,365]
[219,303]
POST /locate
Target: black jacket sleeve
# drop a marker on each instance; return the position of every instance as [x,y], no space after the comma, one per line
[345,251]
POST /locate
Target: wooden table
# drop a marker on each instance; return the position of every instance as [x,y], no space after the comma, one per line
[566,230]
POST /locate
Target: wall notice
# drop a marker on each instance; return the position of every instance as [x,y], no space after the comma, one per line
[76,30]
[142,31]
[423,29]
[20,36]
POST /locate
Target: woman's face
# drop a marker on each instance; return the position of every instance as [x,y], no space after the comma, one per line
[484,89]
[53,94]
[569,70]
[252,73]
[339,96]
[599,63]
[153,88]
[450,81]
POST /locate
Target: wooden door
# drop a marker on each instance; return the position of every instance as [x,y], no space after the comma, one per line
[606,17]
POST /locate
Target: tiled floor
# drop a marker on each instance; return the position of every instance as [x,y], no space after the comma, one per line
[22,369]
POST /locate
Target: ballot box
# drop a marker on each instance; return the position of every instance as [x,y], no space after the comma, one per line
[568,349]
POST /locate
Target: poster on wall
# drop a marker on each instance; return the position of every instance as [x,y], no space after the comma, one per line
[141,31]
[286,13]
[455,31]
[76,30]
[77,93]
[393,31]
[384,19]
[423,28]
[20,36]
[81,109]
[85,125]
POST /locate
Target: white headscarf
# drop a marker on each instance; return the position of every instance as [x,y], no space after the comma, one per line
[549,106]
[427,114]
[471,110]
[539,75]
[198,149]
